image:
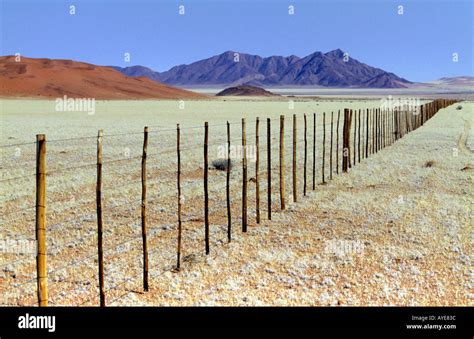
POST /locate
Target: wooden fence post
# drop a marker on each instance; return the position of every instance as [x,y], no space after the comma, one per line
[257,168]
[295,183]
[382,129]
[349,151]
[99,219]
[377,130]
[178,153]
[395,124]
[400,122]
[227,187]
[358,136]
[362,134]
[355,133]
[373,130]
[396,121]
[387,130]
[143,210]
[41,270]
[422,121]
[367,133]
[305,154]
[282,162]
[387,127]
[337,141]
[314,151]
[390,126]
[346,140]
[206,188]
[330,148]
[244,177]
[324,148]
[381,125]
[423,114]
[403,123]
[269,168]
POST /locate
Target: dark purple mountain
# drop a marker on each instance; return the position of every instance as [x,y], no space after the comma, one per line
[139,71]
[232,69]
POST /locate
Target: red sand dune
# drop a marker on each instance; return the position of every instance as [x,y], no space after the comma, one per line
[49,78]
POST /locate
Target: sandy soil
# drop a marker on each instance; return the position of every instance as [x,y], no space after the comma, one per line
[392,231]
[50,78]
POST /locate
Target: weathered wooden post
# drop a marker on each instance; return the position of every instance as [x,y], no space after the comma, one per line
[349,149]
[367,133]
[269,168]
[337,141]
[374,110]
[330,148]
[143,210]
[377,129]
[346,140]
[396,124]
[99,219]
[324,149]
[41,270]
[314,151]
[227,187]
[282,162]
[244,177]
[257,168]
[206,187]
[295,182]
[178,174]
[358,136]
[305,154]
[355,133]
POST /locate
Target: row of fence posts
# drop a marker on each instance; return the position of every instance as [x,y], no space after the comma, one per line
[388,126]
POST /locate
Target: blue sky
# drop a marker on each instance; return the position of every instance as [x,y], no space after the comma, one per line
[417,45]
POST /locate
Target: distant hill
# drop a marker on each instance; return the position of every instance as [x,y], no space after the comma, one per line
[138,71]
[317,69]
[246,90]
[49,78]
[460,81]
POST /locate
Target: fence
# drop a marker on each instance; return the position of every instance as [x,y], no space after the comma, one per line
[169,185]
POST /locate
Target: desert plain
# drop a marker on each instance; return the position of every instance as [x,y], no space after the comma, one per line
[395,230]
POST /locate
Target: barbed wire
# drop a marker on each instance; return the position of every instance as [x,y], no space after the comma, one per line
[18,144]
[18,178]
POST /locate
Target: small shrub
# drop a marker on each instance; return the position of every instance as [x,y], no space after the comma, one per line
[459,108]
[429,163]
[221,164]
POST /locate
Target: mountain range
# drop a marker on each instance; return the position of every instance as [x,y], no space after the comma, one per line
[230,68]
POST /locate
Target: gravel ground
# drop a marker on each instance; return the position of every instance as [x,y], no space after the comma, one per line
[396,230]
[391,232]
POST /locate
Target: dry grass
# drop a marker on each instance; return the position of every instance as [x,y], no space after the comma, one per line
[391,232]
